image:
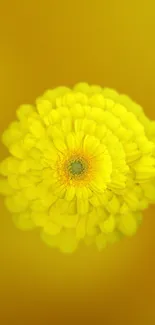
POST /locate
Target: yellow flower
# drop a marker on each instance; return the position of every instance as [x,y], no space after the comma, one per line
[81,166]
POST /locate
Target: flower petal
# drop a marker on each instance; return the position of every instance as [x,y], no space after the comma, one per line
[82,206]
[70,220]
[68,241]
[81,228]
[108,225]
[23,221]
[70,193]
[127,224]
[51,228]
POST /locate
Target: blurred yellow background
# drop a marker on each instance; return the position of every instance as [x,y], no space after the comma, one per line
[45,44]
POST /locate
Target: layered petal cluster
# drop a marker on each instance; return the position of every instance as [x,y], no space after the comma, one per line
[81,166]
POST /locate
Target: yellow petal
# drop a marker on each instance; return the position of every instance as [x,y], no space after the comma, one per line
[34,164]
[124,209]
[81,228]
[38,206]
[132,152]
[88,126]
[145,146]
[66,125]
[13,181]
[5,187]
[91,144]
[53,241]
[68,241]
[24,181]
[17,203]
[101,241]
[82,87]
[55,132]
[30,192]
[114,205]
[117,180]
[110,93]
[39,218]
[61,205]
[24,167]
[70,193]
[37,128]
[91,223]
[85,193]
[97,114]
[82,193]
[113,237]
[64,112]
[81,98]
[127,224]
[145,168]
[72,208]
[43,107]
[51,228]
[58,190]
[23,221]
[70,221]
[35,153]
[94,201]
[17,150]
[101,132]
[82,206]
[77,110]
[71,141]
[49,200]
[89,240]
[59,144]
[69,99]
[24,111]
[11,135]
[132,200]
[108,225]
[53,94]
[78,125]
[98,185]
[149,191]
[47,173]
[54,116]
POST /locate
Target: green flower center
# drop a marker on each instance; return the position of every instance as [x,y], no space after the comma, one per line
[76,167]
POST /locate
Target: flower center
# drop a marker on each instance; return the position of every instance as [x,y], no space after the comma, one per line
[76,167]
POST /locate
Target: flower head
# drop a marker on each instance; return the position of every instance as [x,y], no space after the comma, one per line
[81,166]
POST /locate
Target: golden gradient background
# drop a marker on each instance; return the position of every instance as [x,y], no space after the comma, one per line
[45,44]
